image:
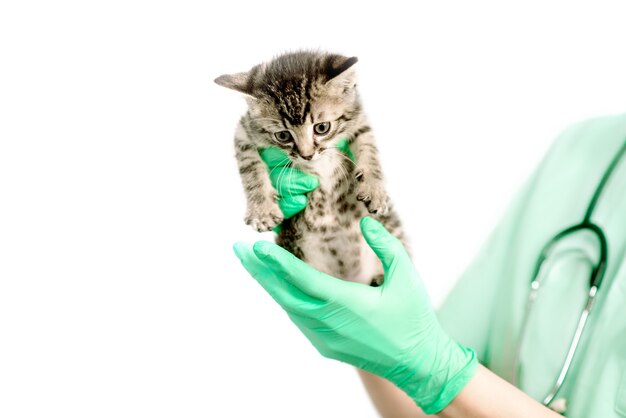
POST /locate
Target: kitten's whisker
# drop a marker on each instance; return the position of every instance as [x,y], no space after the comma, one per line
[343,172]
[279,186]
[289,177]
[280,175]
[280,164]
[344,156]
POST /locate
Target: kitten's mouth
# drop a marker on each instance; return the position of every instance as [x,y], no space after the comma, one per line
[308,159]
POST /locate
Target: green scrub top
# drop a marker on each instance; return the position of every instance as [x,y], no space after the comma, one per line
[486,308]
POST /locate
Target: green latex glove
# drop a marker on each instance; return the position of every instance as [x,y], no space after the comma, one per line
[391,330]
[292,184]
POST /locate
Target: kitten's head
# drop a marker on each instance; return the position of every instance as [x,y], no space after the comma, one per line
[301,102]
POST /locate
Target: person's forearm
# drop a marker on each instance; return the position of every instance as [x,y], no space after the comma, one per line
[485,396]
[388,399]
[489,396]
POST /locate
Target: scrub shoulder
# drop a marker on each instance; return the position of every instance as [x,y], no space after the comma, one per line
[555,195]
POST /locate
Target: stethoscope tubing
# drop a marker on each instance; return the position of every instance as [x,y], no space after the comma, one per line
[594,284]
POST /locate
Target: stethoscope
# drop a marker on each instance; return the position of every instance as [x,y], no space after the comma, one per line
[597,274]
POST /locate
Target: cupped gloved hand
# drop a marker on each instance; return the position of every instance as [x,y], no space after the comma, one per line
[391,330]
[292,184]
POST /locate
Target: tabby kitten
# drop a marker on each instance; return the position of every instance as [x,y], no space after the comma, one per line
[304,103]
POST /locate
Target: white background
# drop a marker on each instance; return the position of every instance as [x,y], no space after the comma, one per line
[120,198]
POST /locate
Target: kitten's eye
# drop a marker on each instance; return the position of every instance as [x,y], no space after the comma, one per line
[322,128]
[283,136]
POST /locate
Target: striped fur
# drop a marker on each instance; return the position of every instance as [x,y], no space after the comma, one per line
[298,93]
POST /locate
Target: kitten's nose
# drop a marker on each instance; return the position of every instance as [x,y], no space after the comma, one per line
[307,157]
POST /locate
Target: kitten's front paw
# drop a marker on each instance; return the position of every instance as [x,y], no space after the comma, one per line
[377,280]
[373,195]
[264,216]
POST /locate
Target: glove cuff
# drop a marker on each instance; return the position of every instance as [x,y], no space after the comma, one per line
[451,367]
[453,386]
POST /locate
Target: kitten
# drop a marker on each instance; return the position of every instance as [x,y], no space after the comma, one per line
[304,103]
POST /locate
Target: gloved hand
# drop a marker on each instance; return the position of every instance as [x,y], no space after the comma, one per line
[292,184]
[391,330]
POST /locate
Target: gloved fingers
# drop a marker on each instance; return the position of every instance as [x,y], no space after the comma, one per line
[274,157]
[289,181]
[298,273]
[248,259]
[292,205]
[291,184]
[319,320]
[386,247]
[288,296]
[314,334]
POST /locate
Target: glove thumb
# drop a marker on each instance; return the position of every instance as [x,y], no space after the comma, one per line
[386,247]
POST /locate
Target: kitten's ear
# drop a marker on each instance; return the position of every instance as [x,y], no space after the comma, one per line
[238,81]
[341,74]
